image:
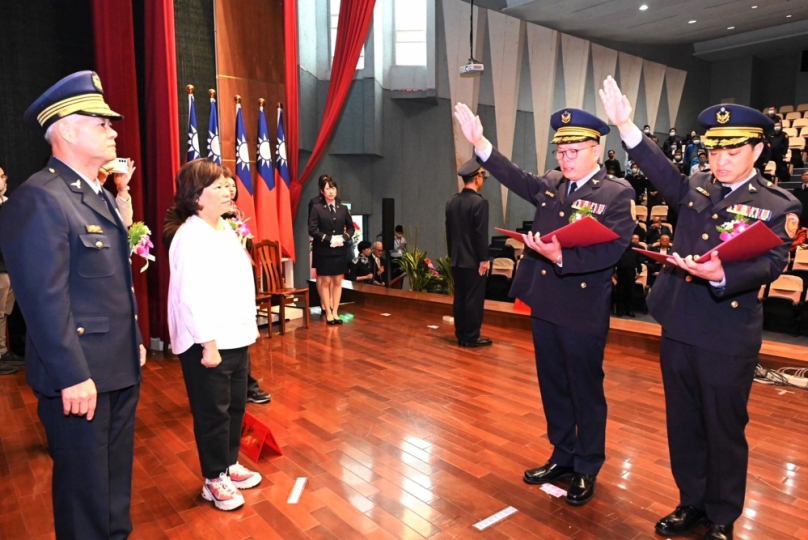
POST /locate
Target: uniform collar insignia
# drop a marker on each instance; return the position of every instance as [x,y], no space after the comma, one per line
[76,184]
[596,182]
[752,188]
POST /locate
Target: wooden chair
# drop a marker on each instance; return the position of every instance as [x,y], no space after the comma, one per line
[271,287]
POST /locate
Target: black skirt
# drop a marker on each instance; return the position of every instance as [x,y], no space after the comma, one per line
[330,265]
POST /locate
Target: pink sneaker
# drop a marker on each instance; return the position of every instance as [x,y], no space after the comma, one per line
[222,493]
[242,477]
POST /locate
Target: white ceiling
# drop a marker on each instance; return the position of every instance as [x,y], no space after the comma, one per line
[664,22]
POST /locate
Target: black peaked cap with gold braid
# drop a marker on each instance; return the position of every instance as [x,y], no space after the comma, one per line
[78,93]
[730,126]
[575,125]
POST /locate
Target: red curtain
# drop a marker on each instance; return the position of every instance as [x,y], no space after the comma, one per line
[162,146]
[355,17]
[115,64]
[292,120]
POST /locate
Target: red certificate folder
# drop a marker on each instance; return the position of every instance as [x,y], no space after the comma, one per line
[582,233]
[755,241]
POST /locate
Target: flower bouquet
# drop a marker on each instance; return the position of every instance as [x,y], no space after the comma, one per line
[140,242]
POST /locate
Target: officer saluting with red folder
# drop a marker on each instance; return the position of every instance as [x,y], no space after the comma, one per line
[568,289]
[709,311]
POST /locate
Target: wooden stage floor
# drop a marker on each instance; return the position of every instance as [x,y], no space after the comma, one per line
[404,435]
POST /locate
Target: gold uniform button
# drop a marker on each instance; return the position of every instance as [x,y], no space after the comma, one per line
[734,304]
[544,204]
[690,204]
[689,279]
[583,285]
[544,272]
[705,236]
[561,214]
[99,244]
[51,170]
[715,216]
[80,331]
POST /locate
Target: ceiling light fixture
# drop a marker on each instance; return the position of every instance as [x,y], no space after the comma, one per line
[730,28]
[692,22]
[643,7]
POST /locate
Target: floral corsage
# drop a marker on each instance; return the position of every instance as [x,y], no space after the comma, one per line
[580,214]
[241,230]
[140,242]
[731,229]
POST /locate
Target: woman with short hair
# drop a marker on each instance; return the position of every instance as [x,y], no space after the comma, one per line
[211,327]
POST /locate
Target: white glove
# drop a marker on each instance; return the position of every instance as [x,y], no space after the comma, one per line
[337,241]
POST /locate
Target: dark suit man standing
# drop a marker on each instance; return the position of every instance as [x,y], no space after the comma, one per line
[711,317]
[467,239]
[557,283]
[67,253]
[801,193]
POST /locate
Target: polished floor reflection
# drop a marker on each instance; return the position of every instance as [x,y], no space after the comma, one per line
[404,435]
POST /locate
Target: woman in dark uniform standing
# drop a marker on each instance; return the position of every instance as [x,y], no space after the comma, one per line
[331,228]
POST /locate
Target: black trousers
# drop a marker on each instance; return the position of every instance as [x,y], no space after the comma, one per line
[624,290]
[469,303]
[570,369]
[92,465]
[706,394]
[218,397]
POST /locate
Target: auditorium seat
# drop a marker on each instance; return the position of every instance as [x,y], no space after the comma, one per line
[771,167]
[785,123]
[641,213]
[786,109]
[790,131]
[793,115]
[799,123]
[660,210]
[804,132]
[802,107]
[781,307]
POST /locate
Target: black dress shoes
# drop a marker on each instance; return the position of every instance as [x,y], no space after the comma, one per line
[719,532]
[481,342]
[582,489]
[549,472]
[681,521]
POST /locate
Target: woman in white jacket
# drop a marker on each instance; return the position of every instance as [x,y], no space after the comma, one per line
[211,326]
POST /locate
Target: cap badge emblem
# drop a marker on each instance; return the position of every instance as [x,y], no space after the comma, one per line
[566,117]
[722,115]
[97,82]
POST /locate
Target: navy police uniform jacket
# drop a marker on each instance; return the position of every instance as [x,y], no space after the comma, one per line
[689,309]
[323,225]
[578,294]
[467,229]
[67,254]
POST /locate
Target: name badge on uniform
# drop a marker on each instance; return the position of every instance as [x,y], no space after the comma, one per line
[750,212]
[94,229]
[593,207]
[703,191]
[549,193]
